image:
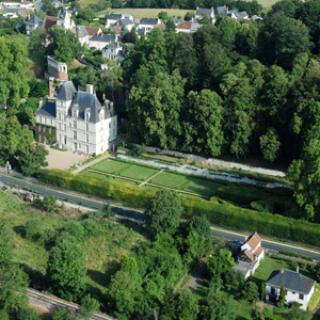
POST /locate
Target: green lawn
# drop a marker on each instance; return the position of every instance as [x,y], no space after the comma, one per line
[268,265]
[124,169]
[186,183]
[101,251]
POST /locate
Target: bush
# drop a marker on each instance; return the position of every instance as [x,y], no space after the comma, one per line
[218,212]
[33,229]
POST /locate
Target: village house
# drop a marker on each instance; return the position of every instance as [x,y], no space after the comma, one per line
[298,288]
[187,26]
[32,23]
[148,24]
[65,19]
[202,13]
[249,255]
[76,120]
[84,33]
[114,52]
[100,41]
[124,20]
[26,5]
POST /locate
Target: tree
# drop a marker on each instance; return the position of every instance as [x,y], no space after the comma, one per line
[251,292]
[66,268]
[89,306]
[154,107]
[64,45]
[316,272]
[219,306]
[269,145]
[233,281]
[199,239]
[229,28]
[163,213]
[220,262]
[13,70]
[282,297]
[180,306]
[239,110]
[282,39]
[203,129]
[125,288]
[297,314]
[14,283]
[27,314]
[33,229]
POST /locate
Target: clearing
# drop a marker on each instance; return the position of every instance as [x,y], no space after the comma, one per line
[113,240]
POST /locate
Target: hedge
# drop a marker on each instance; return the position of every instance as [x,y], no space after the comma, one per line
[219,212]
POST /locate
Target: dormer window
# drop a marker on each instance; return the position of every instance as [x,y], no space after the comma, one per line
[75,113]
[87,115]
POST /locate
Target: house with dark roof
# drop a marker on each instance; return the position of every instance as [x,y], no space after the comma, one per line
[249,255]
[123,19]
[49,22]
[77,119]
[298,288]
[202,13]
[148,24]
[84,33]
[32,23]
[100,41]
[113,52]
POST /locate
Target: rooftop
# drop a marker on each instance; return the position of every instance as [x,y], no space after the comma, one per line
[291,280]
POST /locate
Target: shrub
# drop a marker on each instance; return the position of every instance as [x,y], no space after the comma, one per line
[33,229]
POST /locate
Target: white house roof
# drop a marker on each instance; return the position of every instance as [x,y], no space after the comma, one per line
[291,280]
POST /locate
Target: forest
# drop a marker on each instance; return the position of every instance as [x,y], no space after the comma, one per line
[241,89]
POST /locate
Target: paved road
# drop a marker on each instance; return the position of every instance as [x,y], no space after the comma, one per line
[137,215]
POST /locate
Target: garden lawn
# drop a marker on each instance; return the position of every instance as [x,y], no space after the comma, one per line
[315,299]
[268,265]
[202,187]
[122,169]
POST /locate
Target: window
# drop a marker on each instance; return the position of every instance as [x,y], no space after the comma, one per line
[75,135]
[87,138]
[87,126]
[75,124]
[301,296]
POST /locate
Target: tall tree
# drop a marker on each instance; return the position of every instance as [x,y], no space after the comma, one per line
[164,212]
[66,268]
[203,130]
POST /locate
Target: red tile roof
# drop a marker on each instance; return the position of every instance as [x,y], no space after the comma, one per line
[187,25]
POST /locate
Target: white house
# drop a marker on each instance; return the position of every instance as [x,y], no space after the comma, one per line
[17,5]
[250,255]
[100,41]
[65,19]
[202,13]
[187,26]
[84,33]
[148,24]
[113,52]
[76,120]
[125,20]
[298,288]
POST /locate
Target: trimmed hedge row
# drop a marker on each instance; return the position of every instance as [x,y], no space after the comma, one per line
[219,212]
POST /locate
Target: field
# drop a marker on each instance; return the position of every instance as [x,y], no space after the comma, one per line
[114,242]
[155,178]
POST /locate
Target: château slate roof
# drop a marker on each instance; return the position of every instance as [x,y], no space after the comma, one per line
[103,38]
[48,109]
[203,12]
[291,280]
[83,101]
[67,91]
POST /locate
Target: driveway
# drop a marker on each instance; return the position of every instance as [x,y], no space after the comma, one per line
[58,159]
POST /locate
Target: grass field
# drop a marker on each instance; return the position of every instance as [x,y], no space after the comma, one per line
[101,251]
[154,177]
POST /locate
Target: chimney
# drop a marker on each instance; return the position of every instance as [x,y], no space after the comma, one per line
[51,87]
[90,88]
[297,269]
[282,271]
